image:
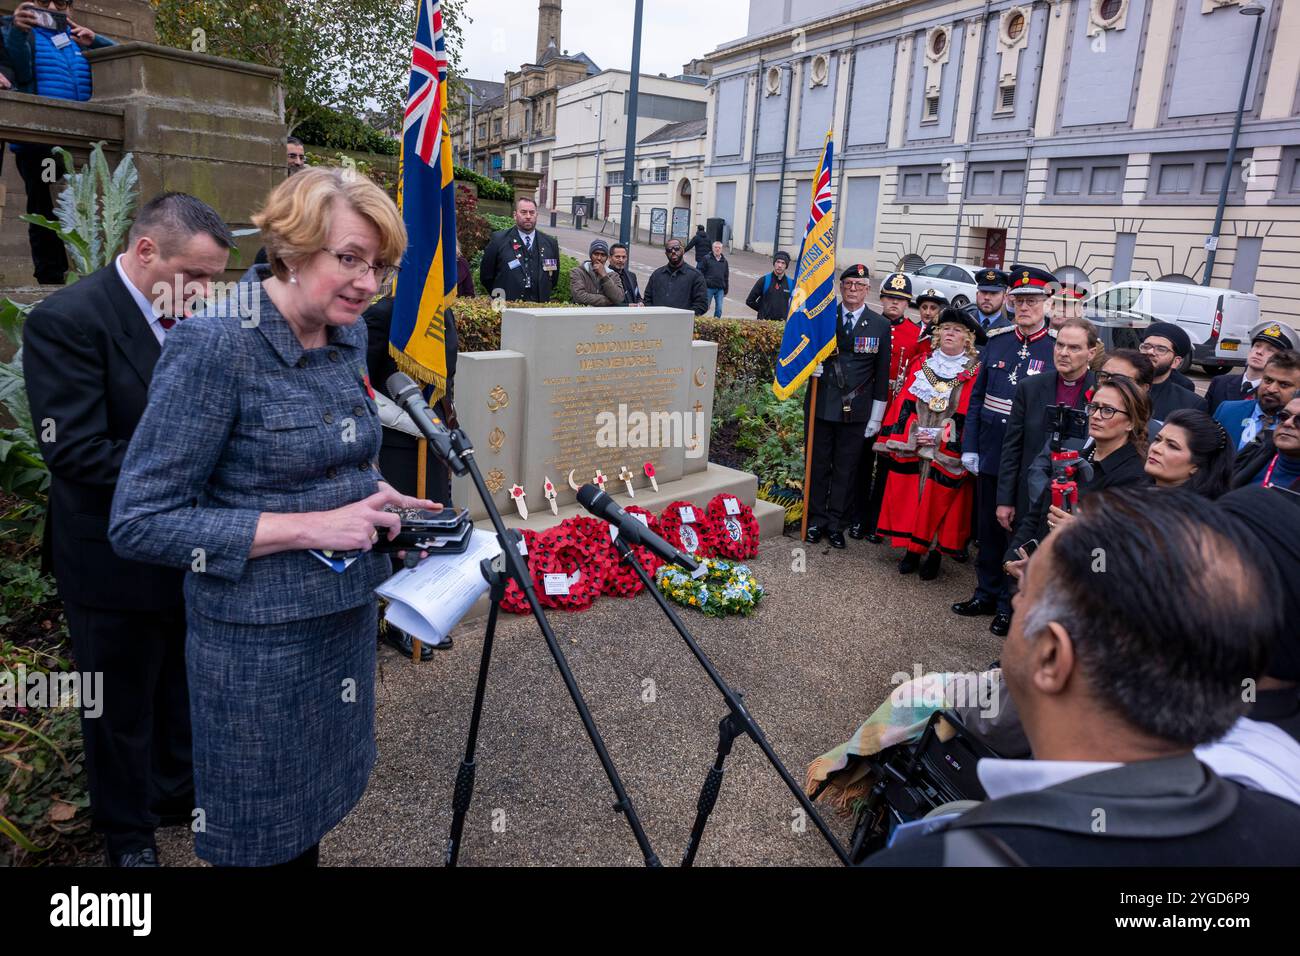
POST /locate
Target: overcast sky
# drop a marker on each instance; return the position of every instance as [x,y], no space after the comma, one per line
[503,33]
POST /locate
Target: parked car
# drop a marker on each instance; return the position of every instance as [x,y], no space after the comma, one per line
[1218,321]
[955,281]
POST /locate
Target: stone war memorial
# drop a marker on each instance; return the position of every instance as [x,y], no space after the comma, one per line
[594,396]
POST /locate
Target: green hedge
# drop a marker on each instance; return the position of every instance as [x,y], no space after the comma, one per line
[487,188]
[339,131]
[747,348]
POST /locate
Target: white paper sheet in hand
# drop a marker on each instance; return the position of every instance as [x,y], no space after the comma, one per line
[428,600]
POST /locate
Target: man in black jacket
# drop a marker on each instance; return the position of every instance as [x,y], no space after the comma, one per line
[676,285]
[717,278]
[1167,345]
[700,245]
[618,257]
[770,297]
[1114,780]
[1273,456]
[1070,383]
[852,393]
[89,352]
[521,261]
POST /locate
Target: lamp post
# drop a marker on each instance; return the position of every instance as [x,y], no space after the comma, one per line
[1256,10]
[629,147]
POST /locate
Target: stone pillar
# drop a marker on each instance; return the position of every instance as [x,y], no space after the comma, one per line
[524,181]
[199,124]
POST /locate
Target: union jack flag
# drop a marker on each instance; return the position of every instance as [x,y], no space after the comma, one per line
[823,200]
[426,287]
[428,80]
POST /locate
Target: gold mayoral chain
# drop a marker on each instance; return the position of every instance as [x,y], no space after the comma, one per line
[943,386]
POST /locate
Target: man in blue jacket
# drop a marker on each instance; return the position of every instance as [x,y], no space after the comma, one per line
[44,48]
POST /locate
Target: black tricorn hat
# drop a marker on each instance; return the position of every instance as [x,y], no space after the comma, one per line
[965,319]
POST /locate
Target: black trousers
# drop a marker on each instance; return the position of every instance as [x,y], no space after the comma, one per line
[869,488]
[993,541]
[138,754]
[49,258]
[836,451]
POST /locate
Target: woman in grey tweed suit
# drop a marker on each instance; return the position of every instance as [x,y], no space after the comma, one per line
[259,444]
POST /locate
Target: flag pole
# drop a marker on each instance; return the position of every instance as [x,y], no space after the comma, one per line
[807,458]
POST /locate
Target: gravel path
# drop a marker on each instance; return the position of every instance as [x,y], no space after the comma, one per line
[815,658]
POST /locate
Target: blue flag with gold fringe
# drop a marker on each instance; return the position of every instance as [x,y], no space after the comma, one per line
[810,325]
[426,194]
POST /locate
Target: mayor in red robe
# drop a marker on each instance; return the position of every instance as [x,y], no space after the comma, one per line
[928,499]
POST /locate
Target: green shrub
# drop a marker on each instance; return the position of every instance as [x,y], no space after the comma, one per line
[472,230]
[487,188]
[771,432]
[334,130]
[562,291]
[499,222]
[747,350]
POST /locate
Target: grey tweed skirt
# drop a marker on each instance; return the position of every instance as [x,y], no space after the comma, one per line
[284,731]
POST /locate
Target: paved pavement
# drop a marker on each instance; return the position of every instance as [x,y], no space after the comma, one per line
[813,661]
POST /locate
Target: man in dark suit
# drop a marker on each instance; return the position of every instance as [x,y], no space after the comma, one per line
[852,393]
[1115,779]
[1013,354]
[1167,346]
[521,261]
[89,352]
[989,307]
[1069,383]
[1266,340]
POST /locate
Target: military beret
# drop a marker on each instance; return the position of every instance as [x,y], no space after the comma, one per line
[898,286]
[1275,334]
[990,280]
[1029,280]
[858,271]
[1181,341]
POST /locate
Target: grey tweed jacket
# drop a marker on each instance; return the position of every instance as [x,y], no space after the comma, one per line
[242,420]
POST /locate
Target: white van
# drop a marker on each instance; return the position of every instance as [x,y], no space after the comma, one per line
[1217,320]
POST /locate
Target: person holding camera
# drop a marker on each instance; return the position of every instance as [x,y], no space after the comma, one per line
[1119,680]
[44,47]
[254,468]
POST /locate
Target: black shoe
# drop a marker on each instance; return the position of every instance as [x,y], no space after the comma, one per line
[814,535]
[836,538]
[875,539]
[146,857]
[1001,624]
[975,607]
[930,566]
[176,812]
[910,560]
[857,532]
[406,644]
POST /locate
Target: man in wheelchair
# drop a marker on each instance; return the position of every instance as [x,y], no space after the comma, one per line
[1137,626]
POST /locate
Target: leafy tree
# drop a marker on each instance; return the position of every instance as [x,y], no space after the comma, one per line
[353,56]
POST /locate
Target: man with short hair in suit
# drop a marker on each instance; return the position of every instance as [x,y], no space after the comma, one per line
[521,261]
[1266,340]
[89,352]
[1247,420]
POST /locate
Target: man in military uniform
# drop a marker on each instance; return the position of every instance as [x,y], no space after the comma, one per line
[988,309]
[521,261]
[851,399]
[873,469]
[1012,353]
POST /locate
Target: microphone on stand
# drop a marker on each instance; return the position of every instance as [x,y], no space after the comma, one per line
[633,531]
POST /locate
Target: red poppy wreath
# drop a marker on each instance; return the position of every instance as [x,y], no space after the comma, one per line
[513,600]
[698,537]
[606,566]
[647,558]
[737,527]
[565,559]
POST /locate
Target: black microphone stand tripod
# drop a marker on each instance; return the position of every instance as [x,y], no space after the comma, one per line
[456,451]
[736,723]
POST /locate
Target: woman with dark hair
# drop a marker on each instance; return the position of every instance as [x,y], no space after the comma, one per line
[1191,451]
[1115,452]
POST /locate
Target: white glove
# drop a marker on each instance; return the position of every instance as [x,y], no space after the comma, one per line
[877,416]
[817,372]
[971,462]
